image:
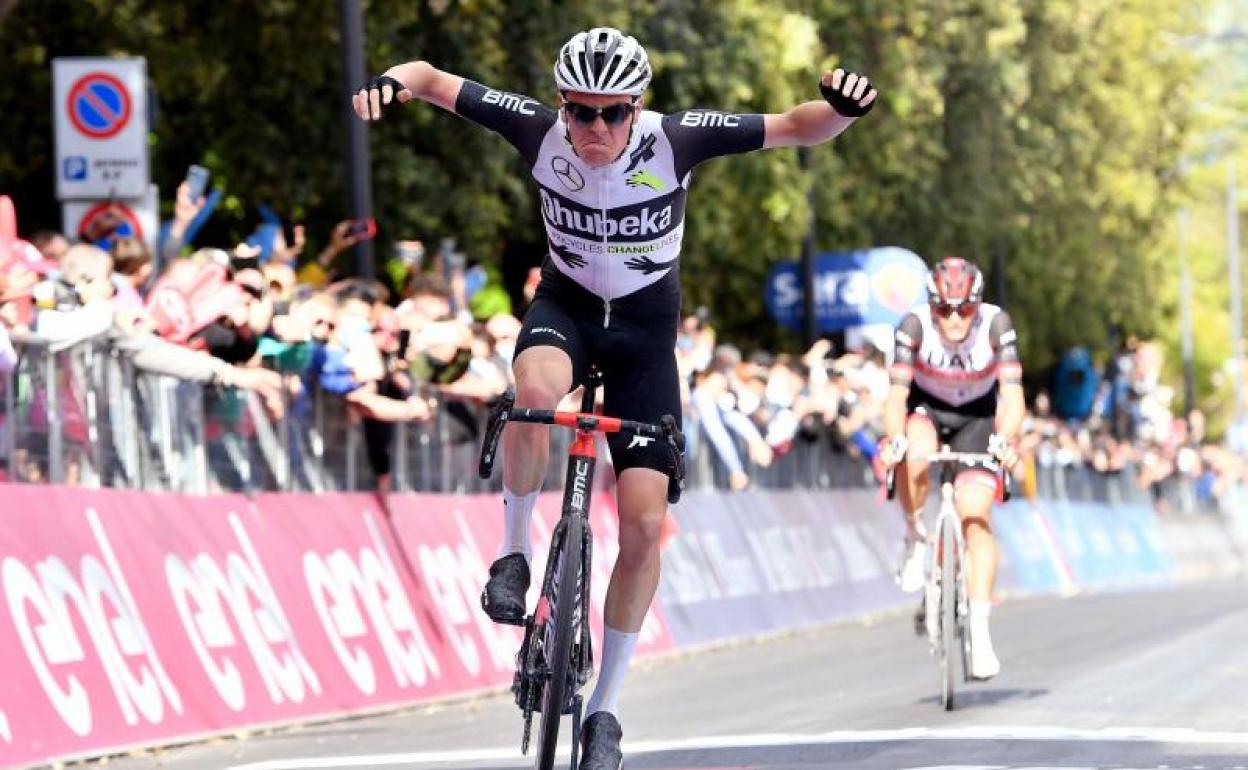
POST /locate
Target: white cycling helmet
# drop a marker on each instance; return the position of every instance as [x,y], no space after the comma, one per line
[603,61]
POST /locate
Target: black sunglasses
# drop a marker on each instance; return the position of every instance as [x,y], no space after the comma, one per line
[965,309]
[612,114]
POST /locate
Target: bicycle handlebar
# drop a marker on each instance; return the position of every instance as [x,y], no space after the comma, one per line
[506,411]
[582,421]
[948,456]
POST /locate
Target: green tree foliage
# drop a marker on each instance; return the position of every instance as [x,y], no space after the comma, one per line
[1215,143]
[1038,137]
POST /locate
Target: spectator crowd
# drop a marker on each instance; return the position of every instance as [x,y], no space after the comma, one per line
[438,333]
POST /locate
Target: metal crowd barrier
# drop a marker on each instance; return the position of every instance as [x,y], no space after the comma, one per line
[84,415]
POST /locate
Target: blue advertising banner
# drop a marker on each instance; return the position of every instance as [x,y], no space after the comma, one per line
[852,288]
[758,562]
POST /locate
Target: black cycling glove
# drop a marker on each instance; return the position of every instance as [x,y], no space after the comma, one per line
[379,84]
[847,100]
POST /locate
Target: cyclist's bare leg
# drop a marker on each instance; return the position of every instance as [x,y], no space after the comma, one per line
[543,378]
[642,497]
[914,478]
[975,493]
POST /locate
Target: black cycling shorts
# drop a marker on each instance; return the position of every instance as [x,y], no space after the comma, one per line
[635,352]
[965,428]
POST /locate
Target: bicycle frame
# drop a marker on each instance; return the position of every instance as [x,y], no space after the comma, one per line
[556,658]
[946,606]
[946,615]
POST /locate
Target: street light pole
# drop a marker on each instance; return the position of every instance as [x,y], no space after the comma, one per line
[1185,307]
[810,323]
[359,172]
[1237,308]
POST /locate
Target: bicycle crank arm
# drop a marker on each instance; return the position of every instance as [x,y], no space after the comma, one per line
[528,728]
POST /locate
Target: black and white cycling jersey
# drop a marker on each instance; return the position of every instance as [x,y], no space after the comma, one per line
[957,375]
[615,230]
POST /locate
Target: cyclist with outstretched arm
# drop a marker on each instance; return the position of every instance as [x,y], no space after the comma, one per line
[613,179]
[956,380]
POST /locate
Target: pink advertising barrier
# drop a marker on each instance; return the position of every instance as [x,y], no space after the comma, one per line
[136,619]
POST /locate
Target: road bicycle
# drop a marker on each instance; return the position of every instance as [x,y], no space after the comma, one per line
[556,658]
[945,609]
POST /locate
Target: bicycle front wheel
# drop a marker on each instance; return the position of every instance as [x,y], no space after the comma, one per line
[949,646]
[560,635]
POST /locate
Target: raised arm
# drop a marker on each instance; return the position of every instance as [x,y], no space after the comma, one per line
[404,82]
[847,96]
[519,119]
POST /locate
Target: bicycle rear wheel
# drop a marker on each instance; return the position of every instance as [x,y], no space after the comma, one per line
[949,643]
[560,635]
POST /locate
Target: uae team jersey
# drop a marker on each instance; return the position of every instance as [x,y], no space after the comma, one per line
[614,231]
[961,373]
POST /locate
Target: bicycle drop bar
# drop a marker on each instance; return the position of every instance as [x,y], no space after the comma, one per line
[505,411]
[949,456]
[579,421]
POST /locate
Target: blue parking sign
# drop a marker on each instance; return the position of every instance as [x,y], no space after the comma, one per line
[76,168]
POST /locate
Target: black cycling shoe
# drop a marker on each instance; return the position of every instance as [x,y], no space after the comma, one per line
[503,597]
[600,742]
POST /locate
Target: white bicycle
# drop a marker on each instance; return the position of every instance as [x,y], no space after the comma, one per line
[945,609]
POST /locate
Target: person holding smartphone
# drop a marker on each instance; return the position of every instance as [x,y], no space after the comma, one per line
[322,271]
[613,179]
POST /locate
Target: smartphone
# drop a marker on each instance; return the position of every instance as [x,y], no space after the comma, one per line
[363,229]
[197,181]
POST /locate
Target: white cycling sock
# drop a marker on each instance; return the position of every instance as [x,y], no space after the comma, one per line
[979,617]
[617,651]
[517,515]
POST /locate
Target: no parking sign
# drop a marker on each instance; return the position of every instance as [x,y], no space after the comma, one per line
[100,106]
[101,222]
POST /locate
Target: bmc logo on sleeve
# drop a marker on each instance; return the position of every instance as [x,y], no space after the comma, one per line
[702,119]
[520,104]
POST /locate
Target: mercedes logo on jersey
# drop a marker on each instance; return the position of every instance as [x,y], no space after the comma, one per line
[567,173]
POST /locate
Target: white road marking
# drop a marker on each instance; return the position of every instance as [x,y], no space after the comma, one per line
[475,756]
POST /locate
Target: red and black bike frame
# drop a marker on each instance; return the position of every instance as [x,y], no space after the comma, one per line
[571,544]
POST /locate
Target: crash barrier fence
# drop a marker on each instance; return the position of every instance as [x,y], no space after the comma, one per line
[133,619]
[84,415]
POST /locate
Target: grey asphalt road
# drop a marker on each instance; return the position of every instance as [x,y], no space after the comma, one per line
[1146,679]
